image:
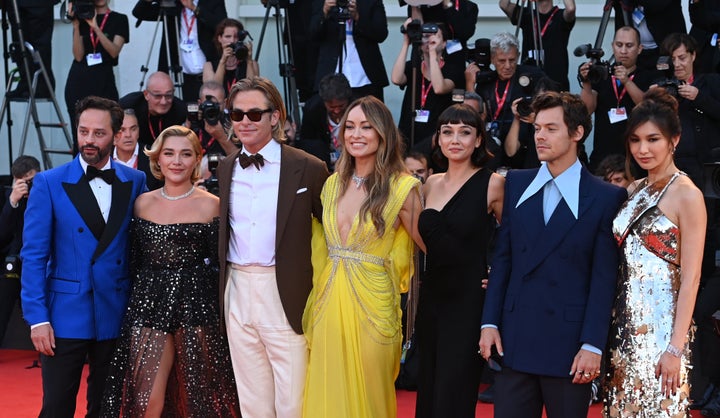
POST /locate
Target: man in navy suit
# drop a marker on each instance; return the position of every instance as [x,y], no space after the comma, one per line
[75,280]
[552,281]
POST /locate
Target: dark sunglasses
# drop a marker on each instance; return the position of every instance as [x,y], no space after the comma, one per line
[237,115]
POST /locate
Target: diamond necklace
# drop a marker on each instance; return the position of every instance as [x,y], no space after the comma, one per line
[359,181]
[182,196]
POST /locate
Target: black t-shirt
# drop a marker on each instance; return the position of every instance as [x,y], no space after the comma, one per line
[610,138]
[151,126]
[555,41]
[453,69]
[116,24]
[231,76]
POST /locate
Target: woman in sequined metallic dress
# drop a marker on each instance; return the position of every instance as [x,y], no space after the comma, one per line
[362,263]
[172,357]
[661,233]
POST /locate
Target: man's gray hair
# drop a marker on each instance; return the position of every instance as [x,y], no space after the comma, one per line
[504,42]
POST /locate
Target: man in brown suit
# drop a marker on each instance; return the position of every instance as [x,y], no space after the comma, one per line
[269,194]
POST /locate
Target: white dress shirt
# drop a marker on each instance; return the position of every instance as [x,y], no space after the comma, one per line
[101,190]
[192,57]
[132,162]
[253,210]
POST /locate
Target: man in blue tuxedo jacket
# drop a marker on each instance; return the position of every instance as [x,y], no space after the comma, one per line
[75,260]
[553,276]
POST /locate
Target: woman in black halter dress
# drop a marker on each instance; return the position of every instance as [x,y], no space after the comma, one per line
[462,206]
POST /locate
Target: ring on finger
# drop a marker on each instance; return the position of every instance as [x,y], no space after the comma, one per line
[586,374]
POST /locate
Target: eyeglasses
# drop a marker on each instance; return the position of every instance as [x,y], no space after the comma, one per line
[237,115]
[160,96]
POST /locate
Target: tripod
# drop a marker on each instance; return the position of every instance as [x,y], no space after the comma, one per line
[24,51]
[285,58]
[537,53]
[620,6]
[174,69]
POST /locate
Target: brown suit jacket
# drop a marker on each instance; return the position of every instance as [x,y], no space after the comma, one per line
[296,208]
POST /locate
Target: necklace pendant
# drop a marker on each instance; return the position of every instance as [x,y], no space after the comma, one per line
[359,181]
[171,198]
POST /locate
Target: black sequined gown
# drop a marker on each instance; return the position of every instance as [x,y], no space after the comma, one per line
[174,293]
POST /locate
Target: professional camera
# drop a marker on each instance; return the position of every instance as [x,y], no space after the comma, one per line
[599,70]
[209,110]
[415,30]
[670,82]
[339,12]
[83,9]
[211,184]
[240,50]
[524,106]
[13,267]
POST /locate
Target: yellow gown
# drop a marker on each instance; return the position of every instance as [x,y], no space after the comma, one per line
[352,318]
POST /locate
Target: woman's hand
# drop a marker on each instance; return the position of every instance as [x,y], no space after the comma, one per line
[688,91]
[668,371]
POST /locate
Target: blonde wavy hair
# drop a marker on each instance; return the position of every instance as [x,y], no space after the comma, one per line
[154,152]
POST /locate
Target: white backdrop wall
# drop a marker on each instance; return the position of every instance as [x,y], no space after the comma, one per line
[490,21]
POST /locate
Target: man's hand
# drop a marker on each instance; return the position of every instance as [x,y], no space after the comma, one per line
[621,73]
[188,4]
[353,11]
[329,4]
[43,338]
[20,190]
[585,367]
[216,131]
[489,337]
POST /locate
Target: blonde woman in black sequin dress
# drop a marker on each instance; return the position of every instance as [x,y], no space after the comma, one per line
[173,359]
[661,234]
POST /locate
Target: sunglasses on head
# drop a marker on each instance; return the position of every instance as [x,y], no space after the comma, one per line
[237,115]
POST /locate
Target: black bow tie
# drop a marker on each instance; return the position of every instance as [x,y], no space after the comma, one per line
[107,175]
[257,160]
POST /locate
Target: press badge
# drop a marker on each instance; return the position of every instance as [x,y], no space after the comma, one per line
[617,114]
[422,115]
[93,59]
[452,46]
[638,16]
[188,45]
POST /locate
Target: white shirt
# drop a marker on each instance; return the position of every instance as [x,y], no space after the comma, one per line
[253,210]
[132,162]
[565,186]
[192,58]
[101,190]
[352,67]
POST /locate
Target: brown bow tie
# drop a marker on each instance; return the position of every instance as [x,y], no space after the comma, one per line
[257,160]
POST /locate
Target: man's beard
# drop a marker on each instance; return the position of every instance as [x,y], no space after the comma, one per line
[100,154]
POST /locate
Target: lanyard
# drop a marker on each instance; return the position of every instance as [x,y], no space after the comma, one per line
[545,26]
[231,84]
[500,100]
[691,79]
[209,143]
[192,21]
[93,40]
[425,91]
[615,82]
[152,131]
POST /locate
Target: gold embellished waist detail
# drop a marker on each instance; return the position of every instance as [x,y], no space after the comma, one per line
[347,254]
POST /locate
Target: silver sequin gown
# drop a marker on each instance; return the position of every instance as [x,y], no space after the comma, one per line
[174,292]
[644,310]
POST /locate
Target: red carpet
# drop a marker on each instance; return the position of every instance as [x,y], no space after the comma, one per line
[21,390]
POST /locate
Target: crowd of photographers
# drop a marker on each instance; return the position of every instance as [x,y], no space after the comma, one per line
[341,61]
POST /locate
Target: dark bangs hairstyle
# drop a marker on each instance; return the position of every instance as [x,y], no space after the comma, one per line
[462,114]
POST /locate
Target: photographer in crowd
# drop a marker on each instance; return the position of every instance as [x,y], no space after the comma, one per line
[349,33]
[699,107]
[12,218]
[193,46]
[321,119]
[460,17]
[235,61]
[654,20]
[99,35]
[499,89]
[612,96]
[156,107]
[555,25]
[211,123]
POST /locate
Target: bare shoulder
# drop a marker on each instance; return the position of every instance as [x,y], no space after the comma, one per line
[632,186]
[497,182]
[686,191]
[144,202]
[208,204]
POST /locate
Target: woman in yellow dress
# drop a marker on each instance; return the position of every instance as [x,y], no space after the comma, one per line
[362,262]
